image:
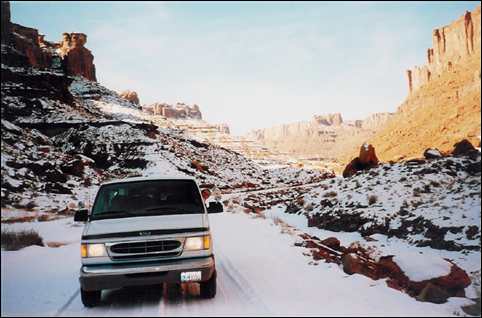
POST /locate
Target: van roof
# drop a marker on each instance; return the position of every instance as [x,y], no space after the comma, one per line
[150,178]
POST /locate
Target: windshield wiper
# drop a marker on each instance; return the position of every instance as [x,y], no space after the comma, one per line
[169,208]
[111,214]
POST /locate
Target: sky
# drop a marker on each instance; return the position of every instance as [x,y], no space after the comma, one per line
[253,64]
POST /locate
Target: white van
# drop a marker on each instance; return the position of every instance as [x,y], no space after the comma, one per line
[145,231]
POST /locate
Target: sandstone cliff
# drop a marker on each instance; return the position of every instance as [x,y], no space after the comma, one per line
[326,136]
[177,111]
[69,56]
[443,105]
[78,60]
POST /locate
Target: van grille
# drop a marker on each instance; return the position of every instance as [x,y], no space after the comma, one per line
[145,249]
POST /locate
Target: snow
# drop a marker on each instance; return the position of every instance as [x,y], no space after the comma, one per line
[434,152]
[419,267]
[260,272]
[449,197]
[8,125]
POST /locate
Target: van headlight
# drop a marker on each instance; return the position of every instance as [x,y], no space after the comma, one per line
[92,250]
[197,243]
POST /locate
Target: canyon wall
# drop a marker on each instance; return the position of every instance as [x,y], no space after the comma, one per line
[443,105]
[326,136]
[452,44]
[69,55]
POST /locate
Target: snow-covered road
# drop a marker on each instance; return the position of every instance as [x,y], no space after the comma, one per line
[260,272]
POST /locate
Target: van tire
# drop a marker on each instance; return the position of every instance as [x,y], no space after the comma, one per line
[90,298]
[208,288]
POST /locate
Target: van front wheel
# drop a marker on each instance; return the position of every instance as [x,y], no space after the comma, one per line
[208,288]
[90,298]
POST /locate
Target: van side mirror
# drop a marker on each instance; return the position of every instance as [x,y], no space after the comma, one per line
[215,207]
[81,215]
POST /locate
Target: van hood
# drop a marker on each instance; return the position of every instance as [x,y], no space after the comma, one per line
[158,224]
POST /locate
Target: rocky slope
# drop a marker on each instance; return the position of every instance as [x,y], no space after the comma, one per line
[325,136]
[443,105]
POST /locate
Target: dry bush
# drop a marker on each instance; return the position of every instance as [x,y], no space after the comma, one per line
[20,219]
[43,218]
[330,194]
[372,199]
[13,241]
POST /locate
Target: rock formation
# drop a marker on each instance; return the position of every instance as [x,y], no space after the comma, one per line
[177,111]
[443,104]
[452,44]
[367,159]
[69,55]
[329,120]
[326,136]
[131,96]
[78,60]
[223,128]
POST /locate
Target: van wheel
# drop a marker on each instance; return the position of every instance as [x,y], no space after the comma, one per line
[173,291]
[90,298]
[208,288]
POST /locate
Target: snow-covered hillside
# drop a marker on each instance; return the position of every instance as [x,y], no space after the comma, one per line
[432,203]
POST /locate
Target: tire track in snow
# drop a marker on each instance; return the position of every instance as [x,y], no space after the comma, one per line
[244,287]
[67,304]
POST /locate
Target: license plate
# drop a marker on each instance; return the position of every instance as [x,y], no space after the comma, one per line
[190,276]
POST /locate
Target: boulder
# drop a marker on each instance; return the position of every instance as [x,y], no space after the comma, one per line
[464,148]
[332,242]
[196,164]
[131,96]
[352,264]
[457,280]
[433,293]
[366,160]
[432,153]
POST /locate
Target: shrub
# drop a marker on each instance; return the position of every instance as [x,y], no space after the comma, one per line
[12,241]
[372,199]
[43,218]
[435,184]
[330,194]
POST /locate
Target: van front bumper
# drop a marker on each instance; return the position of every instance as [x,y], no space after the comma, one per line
[110,276]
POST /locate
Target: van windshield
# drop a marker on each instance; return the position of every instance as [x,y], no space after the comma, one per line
[143,198]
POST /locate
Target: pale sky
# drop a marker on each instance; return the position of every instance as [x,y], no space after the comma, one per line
[252,65]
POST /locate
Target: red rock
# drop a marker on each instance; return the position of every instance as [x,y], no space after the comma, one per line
[332,242]
[386,267]
[456,279]
[352,264]
[25,40]
[393,283]
[77,59]
[367,159]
